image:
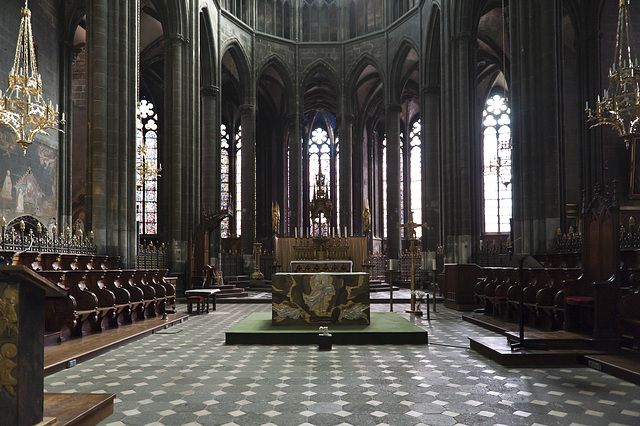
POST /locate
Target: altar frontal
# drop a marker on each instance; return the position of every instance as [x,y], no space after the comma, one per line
[322,298]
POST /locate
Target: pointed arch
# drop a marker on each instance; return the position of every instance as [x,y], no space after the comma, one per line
[405,63]
[320,88]
[354,78]
[208,59]
[433,56]
[282,78]
[235,69]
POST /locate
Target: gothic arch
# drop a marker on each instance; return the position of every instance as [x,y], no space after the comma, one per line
[283,73]
[208,59]
[432,59]
[327,91]
[240,75]
[354,75]
[403,66]
[173,16]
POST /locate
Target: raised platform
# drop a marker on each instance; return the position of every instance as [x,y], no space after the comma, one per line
[562,347]
[68,353]
[75,409]
[624,365]
[498,349]
[385,328]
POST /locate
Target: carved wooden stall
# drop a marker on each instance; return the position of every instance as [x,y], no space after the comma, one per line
[590,301]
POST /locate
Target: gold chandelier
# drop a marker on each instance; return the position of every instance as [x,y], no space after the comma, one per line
[22,107]
[620,106]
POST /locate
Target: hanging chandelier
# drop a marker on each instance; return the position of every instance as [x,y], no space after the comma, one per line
[22,107]
[620,105]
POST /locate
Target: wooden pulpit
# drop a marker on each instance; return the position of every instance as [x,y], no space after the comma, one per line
[22,294]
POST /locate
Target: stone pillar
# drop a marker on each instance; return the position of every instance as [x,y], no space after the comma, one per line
[210,167]
[457,210]
[98,121]
[536,123]
[431,167]
[248,120]
[345,133]
[295,172]
[393,180]
[175,161]
[210,148]
[112,90]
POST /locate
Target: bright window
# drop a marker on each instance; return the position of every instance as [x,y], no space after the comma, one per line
[147,169]
[497,165]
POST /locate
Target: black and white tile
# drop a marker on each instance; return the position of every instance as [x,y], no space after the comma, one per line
[186,375]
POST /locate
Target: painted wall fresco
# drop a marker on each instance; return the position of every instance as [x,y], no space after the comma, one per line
[28,183]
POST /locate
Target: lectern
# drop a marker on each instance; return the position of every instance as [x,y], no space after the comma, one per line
[22,294]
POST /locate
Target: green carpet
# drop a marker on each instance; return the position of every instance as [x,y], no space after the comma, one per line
[385,328]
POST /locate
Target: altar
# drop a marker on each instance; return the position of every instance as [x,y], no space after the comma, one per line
[315,266]
[320,298]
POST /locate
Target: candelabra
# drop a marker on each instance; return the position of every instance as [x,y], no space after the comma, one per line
[22,107]
[620,105]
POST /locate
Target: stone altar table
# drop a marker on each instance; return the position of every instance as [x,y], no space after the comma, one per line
[320,298]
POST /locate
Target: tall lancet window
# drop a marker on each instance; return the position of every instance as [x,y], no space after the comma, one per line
[497,165]
[231,181]
[238,170]
[320,175]
[225,173]
[385,206]
[147,169]
[415,170]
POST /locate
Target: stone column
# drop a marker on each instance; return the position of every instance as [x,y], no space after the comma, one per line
[210,148]
[98,121]
[248,120]
[210,167]
[174,160]
[295,173]
[536,123]
[393,180]
[431,167]
[345,133]
[459,137]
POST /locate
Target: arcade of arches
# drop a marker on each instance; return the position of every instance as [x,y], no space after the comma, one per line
[465,115]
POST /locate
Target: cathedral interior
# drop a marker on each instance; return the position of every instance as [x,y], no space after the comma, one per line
[227,138]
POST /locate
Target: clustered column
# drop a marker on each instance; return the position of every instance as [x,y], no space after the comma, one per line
[248,119]
[393,181]
[111,133]
[345,134]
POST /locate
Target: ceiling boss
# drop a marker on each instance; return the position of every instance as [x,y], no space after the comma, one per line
[22,107]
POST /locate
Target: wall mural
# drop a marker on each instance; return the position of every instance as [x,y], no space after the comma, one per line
[28,182]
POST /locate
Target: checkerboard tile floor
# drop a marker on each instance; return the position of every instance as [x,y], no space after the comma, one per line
[186,375]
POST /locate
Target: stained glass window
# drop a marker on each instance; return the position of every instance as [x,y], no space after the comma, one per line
[320,173]
[230,181]
[412,188]
[384,187]
[238,169]
[147,169]
[497,165]
[224,179]
[415,170]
